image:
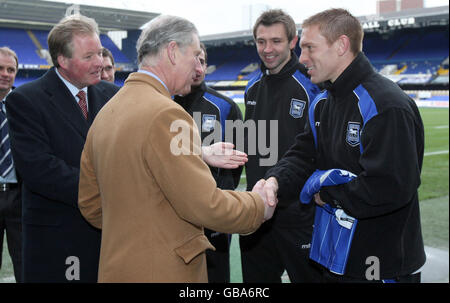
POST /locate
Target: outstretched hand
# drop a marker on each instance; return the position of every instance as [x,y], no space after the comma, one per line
[223,155]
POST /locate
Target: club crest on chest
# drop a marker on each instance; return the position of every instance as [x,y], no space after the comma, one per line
[208,122]
[297,108]
[353,133]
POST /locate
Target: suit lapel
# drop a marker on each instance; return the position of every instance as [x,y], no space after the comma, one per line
[95,100]
[65,103]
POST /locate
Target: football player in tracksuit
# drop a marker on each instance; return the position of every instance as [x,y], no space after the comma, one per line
[364,124]
[207,107]
[279,97]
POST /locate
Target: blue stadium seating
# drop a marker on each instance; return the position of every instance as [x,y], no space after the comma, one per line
[229,61]
[424,46]
[421,52]
[119,57]
[41,36]
[19,41]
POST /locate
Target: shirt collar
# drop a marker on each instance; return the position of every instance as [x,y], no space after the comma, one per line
[152,75]
[3,101]
[72,88]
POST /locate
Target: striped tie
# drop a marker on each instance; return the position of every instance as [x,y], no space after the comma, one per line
[82,103]
[6,163]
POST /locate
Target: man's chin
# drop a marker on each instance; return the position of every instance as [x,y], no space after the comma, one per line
[196,83]
[95,81]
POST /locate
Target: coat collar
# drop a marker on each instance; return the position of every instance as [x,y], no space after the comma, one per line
[351,77]
[141,77]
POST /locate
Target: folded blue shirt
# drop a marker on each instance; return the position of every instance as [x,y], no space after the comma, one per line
[333,228]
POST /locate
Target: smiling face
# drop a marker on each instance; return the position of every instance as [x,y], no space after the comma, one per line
[320,58]
[108,70]
[273,46]
[8,71]
[85,66]
[200,73]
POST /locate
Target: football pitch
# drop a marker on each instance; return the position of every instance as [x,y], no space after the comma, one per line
[433,192]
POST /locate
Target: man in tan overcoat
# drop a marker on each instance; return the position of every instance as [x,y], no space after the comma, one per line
[143,180]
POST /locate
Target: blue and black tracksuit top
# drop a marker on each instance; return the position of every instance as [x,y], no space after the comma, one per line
[364,123]
[285,98]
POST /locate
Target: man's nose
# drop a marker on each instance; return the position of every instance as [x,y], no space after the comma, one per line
[268,47]
[104,74]
[303,58]
[99,60]
[3,72]
[198,67]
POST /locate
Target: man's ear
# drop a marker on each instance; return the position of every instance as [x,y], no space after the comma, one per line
[293,42]
[62,61]
[172,49]
[343,45]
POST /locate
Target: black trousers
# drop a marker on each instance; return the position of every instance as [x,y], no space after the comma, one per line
[218,261]
[329,277]
[11,223]
[272,249]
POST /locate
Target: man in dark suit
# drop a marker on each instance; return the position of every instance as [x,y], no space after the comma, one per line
[10,198]
[49,119]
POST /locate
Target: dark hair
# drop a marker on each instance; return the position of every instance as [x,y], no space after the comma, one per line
[203,47]
[107,53]
[277,16]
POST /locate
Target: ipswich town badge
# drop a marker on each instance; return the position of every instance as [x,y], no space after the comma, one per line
[297,108]
[208,122]
[353,133]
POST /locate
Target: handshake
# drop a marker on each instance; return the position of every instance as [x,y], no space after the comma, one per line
[223,155]
[267,189]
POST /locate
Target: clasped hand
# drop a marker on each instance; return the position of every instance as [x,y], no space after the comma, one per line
[267,189]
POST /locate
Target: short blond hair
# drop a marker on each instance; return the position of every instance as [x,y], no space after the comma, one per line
[336,22]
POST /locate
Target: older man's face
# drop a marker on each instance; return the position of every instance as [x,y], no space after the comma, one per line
[85,66]
[189,66]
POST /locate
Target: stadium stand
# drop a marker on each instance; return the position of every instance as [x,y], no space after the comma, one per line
[19,40]
[412,54]
[409,49]
[25,24]
[119,57]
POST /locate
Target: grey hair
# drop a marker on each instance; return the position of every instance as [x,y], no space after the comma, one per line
[160,32]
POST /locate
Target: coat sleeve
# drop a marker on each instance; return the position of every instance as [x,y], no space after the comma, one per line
[89,200]
[173,155]
[41,170]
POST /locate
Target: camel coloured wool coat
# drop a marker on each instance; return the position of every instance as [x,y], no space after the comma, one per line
[144,183]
